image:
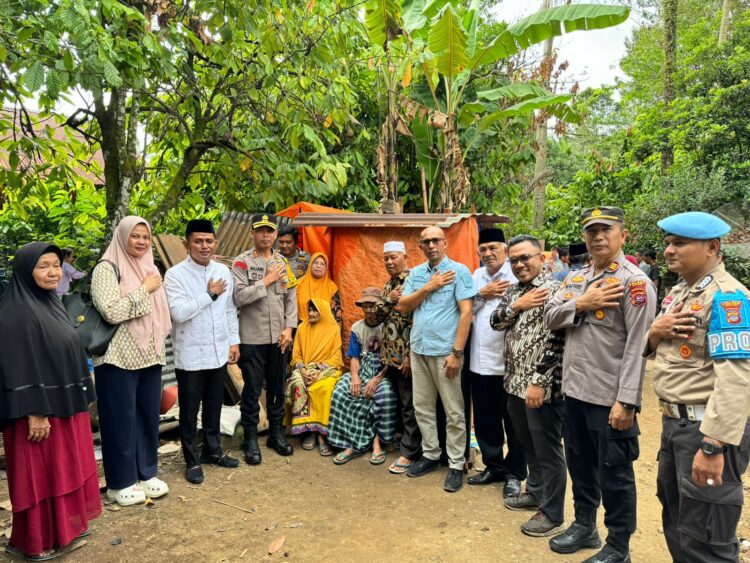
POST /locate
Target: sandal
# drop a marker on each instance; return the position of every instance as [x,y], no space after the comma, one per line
[154,488]
[378,459]
[398,468]
[309,442]
[18,553]
[325,449]
[342,458]
[128,496]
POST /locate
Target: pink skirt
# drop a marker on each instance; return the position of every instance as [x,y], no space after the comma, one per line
[53,484]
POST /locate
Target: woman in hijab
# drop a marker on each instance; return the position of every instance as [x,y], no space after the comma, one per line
[45,390]
[126,289]
[317,283]
[317,363]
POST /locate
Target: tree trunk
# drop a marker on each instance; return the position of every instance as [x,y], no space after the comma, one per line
[726,16]
[118,181]
[540,167]
[669,15]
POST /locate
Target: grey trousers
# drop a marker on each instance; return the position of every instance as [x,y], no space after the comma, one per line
[429,379]
[540,432]
[700,523]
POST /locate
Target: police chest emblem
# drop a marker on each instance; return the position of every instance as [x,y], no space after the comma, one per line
[599,314]
[612,280]
[696,306]
[686,351]
[568,296]
[638,293]
[577,279]
[704,283]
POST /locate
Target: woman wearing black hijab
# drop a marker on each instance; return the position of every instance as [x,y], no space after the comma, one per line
[45,390]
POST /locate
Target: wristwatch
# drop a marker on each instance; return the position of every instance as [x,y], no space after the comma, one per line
[628,406]
[458,353]
[214,296]
[709,448]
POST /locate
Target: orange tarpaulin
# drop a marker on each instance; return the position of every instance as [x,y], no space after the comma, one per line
[358,257]
[314,239]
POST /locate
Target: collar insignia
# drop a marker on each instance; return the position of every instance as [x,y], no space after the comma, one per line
[703,284]
[613,266]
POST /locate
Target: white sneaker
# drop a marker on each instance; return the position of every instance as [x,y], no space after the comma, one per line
[154,488]
[127,496]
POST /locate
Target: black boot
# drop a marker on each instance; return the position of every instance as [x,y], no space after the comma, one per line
[277,441]
[581,533]
[252,450]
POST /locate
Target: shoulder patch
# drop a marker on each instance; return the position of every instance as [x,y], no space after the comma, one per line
[240,264]
[703,284]
[638,295]
[729,329]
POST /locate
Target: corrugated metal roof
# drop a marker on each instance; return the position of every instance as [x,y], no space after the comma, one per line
[392,220]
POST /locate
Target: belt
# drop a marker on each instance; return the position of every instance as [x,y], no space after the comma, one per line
[694,413]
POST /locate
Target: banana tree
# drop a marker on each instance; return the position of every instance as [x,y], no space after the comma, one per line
[451,58]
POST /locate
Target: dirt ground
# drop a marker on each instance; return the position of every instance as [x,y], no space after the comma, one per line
[356,512]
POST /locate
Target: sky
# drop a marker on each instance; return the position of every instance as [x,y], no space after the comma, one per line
[593,55]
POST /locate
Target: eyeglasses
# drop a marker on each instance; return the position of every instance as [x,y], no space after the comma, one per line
[525,258]
[429,241]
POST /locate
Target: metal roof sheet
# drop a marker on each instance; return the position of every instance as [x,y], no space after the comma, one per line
[392,220]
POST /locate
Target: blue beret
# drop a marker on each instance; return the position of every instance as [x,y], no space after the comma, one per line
[694,224]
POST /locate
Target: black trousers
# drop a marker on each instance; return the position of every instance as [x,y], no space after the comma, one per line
[540,432]
[600,461]
[492,424]
[194,387]
[411,437]
[128,403]
[262,363]
[700,523]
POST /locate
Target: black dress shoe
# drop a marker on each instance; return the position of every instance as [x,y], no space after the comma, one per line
[576,537]
[222,460]
[277,441]
[454,481]
[252,450]
[512,487]
[194,474]
[422,467]
[486,477]
[609,554]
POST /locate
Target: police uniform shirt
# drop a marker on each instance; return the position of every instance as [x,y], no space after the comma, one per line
[684,371]
[264,311]
[602,362]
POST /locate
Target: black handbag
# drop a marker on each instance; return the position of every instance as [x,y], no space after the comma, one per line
[95,333]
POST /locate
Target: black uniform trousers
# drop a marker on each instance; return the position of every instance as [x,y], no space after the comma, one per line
[700,523]
[262,363]
[128,403]
[194,387]
[600,461]
[540,432]
[411,437]
[493,424]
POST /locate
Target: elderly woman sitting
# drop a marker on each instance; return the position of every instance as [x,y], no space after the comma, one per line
[364,404]
[317,363]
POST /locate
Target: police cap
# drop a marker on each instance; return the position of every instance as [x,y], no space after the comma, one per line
[695,225]
[603,215]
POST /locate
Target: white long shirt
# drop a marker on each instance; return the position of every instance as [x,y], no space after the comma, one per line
[202,329]
[488,345]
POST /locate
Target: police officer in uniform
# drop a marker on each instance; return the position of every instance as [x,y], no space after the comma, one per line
[700,343]
[606,309]
[264,293]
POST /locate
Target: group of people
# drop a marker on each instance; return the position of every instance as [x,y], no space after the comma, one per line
[553,367]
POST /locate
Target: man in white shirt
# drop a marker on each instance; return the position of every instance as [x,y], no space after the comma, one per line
[487,370]
[205,336]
